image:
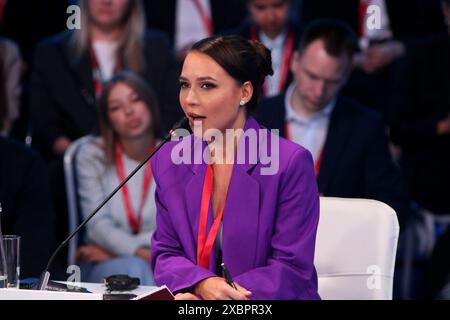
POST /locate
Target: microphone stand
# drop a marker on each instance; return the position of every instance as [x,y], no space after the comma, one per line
[45,275]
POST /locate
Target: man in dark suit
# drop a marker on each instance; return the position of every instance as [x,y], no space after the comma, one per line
[347,140]
[26,205]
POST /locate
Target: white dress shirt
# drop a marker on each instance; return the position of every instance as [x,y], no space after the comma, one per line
[310,132]
[106,53]
[189,26]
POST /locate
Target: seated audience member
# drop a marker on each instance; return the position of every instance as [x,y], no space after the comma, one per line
[187,21]
[270,25]
[71,68]
[10,88]
[118,237]
[26,205]
[421,127]
[69,74]
[347,140]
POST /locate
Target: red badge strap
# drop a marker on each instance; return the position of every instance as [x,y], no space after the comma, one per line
[206,20]
[205,243]
[135,223]
[318,162]
[287,54]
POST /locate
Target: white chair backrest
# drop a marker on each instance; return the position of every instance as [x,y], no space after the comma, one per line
[71,190]
[355,249]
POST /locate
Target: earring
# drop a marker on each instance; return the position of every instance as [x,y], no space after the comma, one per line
[242,103]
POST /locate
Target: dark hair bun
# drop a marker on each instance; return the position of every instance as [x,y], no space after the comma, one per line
[264,58]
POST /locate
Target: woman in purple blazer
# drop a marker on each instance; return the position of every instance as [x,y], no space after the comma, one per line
[250,201]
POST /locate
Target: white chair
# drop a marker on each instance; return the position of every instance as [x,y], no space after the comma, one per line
[71,190]
[355,249]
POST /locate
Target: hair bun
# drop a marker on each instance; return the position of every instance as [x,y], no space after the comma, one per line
[264,58]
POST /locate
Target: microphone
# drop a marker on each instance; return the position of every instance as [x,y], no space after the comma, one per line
[45,275]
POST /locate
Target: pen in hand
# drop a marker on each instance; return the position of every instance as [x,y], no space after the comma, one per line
[227,276]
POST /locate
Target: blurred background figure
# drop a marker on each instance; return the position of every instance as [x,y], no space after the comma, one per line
[421,127]
[70,70]
[118,238]
[271,24]
[401,26]
[10,86]
[187,21]
[26,205]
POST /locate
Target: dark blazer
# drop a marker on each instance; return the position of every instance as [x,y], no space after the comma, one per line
[26,204]
[62,93]
[225,15]
[422,99]
[356,162]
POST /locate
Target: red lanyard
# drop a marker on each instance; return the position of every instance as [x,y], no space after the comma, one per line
[318,162]
[2,7]
[96,72]
[205,243]
[287,54]
[362,17]
[135,224]
[206,20]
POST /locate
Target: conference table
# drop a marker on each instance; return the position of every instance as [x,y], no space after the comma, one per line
[98,291]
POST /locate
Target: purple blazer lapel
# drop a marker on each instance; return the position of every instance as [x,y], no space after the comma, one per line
[241,215]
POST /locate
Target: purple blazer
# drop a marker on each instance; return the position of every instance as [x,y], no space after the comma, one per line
[269,223]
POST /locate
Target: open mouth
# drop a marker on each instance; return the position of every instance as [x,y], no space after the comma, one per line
[195,117]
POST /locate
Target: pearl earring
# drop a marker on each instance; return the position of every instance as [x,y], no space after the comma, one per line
[242,103]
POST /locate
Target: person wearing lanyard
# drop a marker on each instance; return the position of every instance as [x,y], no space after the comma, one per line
[270,24]
[263,223]
[347,140]
[71,68]
[117,240]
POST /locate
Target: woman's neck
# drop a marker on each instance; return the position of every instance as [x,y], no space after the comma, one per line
[138,148]
[225,152]
[98,33]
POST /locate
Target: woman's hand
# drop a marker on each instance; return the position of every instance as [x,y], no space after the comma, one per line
[186,296]
[93,253]
[216,288]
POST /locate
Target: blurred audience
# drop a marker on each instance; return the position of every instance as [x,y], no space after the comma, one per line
[26,205]
[70,70]
[347,140]
[118,237]
[421,127]
[10,86]
[385,34]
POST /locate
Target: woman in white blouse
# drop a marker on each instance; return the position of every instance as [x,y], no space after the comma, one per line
[117,239]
